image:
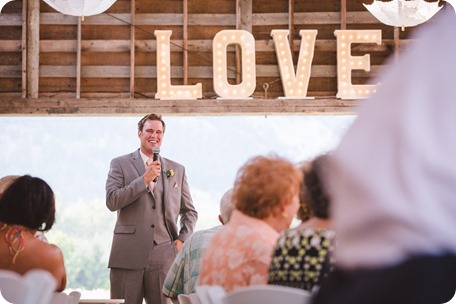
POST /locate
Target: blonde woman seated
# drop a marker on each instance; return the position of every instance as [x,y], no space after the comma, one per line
[28,206]
[302,257]
[266,198]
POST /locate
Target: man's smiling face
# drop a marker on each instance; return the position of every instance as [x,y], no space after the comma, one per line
[151,136]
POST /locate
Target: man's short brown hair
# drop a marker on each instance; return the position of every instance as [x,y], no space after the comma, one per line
[152,116]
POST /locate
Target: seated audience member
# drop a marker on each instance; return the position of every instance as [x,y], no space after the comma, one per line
[28,206]
[266,197]
[183,275]
[4,183]
[302,255]
[392,182]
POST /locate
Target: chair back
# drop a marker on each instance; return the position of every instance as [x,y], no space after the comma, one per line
[35,287]
[208,294]
[267,294]
[188,299]
[63,298]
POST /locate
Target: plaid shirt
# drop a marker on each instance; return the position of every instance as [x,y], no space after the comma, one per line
[183,274]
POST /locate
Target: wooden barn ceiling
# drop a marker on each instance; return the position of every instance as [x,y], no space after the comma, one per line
[54,64]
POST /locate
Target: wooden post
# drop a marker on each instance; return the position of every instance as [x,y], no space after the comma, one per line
[396,44]
[33,48]
[291,27]
[185,42]
[243,22]
[343,14]
[24,49]
[78,59]
[132,48]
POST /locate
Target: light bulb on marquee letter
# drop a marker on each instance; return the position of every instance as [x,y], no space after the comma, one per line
[295,85]
[346,63]
[165,90]
[247,86]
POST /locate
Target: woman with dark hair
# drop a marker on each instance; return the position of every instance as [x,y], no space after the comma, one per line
[28,206]
[302,255]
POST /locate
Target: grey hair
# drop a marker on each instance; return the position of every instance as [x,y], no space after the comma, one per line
[226,206]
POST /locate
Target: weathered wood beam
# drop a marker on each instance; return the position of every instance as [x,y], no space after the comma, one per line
[291,27]
[127,106]
[33,48]
[258,19]
[343,14]
[78,60]
[397,39]
[23,46]
[243,22]
[324,45]
[185,41]
[176,71]
[132,48]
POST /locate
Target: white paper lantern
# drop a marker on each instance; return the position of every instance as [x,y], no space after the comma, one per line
[80,7]
[402,13]
[3,3]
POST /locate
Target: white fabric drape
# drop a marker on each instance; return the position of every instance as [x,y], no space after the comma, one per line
[80,7]
[393,177]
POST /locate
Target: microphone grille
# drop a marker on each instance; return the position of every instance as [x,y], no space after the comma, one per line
[156,150]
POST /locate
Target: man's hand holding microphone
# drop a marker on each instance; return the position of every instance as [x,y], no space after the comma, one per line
[153,170]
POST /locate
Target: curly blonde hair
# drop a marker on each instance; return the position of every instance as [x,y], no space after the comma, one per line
[263,183]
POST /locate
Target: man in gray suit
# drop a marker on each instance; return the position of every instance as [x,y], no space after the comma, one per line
[148,197]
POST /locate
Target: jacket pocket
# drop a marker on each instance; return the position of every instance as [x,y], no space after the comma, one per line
[125,229]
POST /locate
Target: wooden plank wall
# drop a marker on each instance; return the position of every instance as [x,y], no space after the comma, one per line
[112,55]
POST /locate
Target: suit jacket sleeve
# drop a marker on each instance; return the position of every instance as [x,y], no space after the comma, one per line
[122,189]
[187,212]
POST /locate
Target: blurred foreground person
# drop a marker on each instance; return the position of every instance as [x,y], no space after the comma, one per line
[266,196]
[302,256]
[28,206]
[393,182]
[183,274]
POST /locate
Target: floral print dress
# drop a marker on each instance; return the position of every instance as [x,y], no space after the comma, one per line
[239,254]
[302,258]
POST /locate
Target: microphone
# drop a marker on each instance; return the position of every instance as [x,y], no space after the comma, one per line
[156,151]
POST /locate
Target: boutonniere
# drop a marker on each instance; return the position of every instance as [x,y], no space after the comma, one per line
[169,173]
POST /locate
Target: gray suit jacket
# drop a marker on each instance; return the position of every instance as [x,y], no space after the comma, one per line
[126,193]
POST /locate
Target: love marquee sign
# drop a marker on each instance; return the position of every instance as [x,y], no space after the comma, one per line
[295,81]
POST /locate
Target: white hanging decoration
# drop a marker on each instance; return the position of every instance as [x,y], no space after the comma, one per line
[403,13]
[3,3]
[80,7]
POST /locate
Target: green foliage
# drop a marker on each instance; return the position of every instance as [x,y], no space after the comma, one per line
[84,232]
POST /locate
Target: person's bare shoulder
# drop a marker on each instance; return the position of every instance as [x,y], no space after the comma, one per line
[48,257]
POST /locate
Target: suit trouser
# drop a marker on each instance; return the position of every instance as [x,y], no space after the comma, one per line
[135,285]
[419,280]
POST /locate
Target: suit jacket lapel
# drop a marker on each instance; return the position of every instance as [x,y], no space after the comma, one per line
[138,162]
